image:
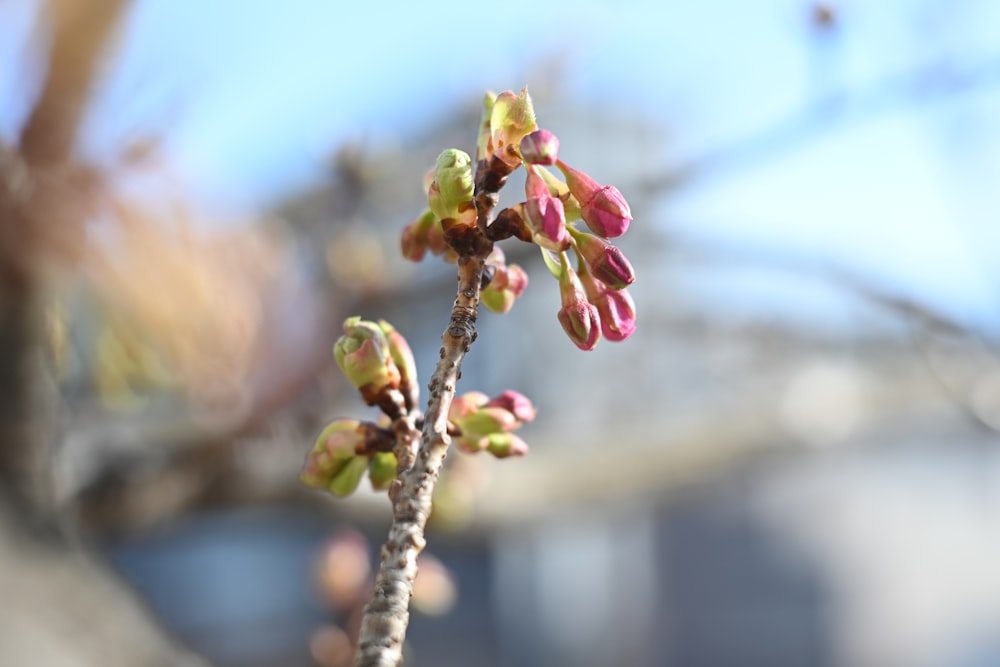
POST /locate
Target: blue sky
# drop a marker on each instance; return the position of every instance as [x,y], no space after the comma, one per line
[251,99]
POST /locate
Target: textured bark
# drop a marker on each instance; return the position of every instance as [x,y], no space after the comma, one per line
[383,628]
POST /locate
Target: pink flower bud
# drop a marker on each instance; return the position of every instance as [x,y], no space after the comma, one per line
[607,263]
[545,214]
[603,208]
[516,403]
[578,317]
[540,147]
[617,312]
[615,307]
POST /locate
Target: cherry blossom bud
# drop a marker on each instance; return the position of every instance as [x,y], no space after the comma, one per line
[617,314]
[348,477]
[415,240]
[402,357]
[607,263]
[450,195]
[540,147]
[603,208]
[364,356]
[516,403]
[464,405]
[503,445]
[509,283]
[578,317]
[615,307]
[471,443]
[545,214]
[382,470]
[488,420]
[334,447]
[511,118]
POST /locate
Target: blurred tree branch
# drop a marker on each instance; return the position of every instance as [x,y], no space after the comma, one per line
[61,606]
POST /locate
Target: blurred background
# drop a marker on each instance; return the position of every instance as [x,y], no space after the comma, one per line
[794,461]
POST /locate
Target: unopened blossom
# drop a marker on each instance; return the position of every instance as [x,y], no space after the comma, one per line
[615,307]
[336,444]
[578,317]
[402,357]
[504,445]
[540,147]
[602,207]
[607,262]
[364,356]
[516,403]
[415,242]
[545,214]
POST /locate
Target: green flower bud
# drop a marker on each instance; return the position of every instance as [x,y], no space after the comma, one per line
[336,444]
[512,117]
[364,356]
[503,445]
[402,357]
[482,145]
[450,195]
[489,420]
[348,477]
[382,470]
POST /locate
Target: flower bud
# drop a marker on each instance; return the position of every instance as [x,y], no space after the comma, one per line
[617,311]
[471,443]
[516,403]
[382,470]
[336,444]
[544,214]
[503,445]
[488,420]
[511,118]
[466,404]
[540,147]
[607,263]
[615,307]
[348,477]
[483,142]
[450,195]
[578,317]
[415,240]
[364,357]
[603,208]
[402,357]
[509,283]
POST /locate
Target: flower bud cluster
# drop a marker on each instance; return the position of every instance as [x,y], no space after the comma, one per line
[594,297]
[343,453]
[378,361]
[483,423]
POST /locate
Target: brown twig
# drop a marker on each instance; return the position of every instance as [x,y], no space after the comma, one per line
[383,628]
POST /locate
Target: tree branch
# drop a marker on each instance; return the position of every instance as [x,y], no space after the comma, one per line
[383,628]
